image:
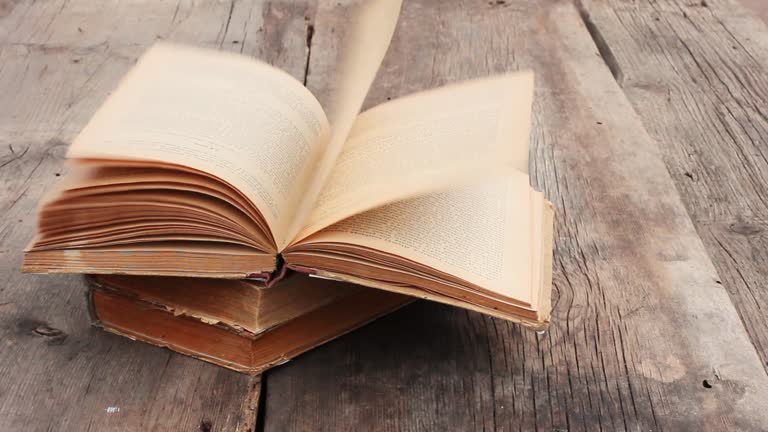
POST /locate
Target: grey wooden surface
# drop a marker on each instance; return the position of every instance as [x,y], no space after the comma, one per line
[649,135]
[697,77]
[640,321]
[58,61]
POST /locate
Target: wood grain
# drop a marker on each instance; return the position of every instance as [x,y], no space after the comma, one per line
[759,7]
[696,75]
[58,62]
[643,336]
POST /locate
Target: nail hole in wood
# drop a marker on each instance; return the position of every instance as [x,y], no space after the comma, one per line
[206,426]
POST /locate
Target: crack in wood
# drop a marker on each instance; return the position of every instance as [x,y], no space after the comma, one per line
[600,42]
[226,24]
[310,31]
[14,156]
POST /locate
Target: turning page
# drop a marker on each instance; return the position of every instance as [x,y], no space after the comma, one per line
[358,60]
[428,142]
[237,119]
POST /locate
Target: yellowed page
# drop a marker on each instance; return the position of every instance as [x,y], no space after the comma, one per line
[243,121]
[359,59]
[428,142]
[479,233]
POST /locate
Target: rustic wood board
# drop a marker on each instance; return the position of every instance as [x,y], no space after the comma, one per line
[696,74]
[58,62]
[759,7]
[643,337]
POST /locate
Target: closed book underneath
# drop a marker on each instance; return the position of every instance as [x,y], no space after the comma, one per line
[197,325]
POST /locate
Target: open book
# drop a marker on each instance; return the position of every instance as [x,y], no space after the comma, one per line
[211,164]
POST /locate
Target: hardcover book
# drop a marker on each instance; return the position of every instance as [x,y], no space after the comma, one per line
[235,324]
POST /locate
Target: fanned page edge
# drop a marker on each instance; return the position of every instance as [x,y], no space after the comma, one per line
[94,154]
[541,286]
[548,252]
[82,149]
[424,295]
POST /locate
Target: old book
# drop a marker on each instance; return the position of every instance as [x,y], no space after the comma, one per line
[214,321]
[211,164]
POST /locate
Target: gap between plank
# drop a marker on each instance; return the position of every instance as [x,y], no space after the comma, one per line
[602,45]
[612,63]
[261,409]
[310,29]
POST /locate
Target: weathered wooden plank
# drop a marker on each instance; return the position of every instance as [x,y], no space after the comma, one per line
[643,336]
[696,74]
[757,6]
[58,62]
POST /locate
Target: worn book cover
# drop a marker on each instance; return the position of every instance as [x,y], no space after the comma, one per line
[205,325]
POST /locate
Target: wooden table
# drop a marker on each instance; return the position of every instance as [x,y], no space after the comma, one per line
[650,137]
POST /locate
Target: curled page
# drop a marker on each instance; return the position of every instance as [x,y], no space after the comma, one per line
[428,142]
[243,121]
[363,50]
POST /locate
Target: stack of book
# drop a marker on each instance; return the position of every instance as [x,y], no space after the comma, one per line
[223,212]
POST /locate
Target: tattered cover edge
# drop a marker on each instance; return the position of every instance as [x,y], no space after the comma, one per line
[96,322]
[232,327]
[94,284]
[251,370]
